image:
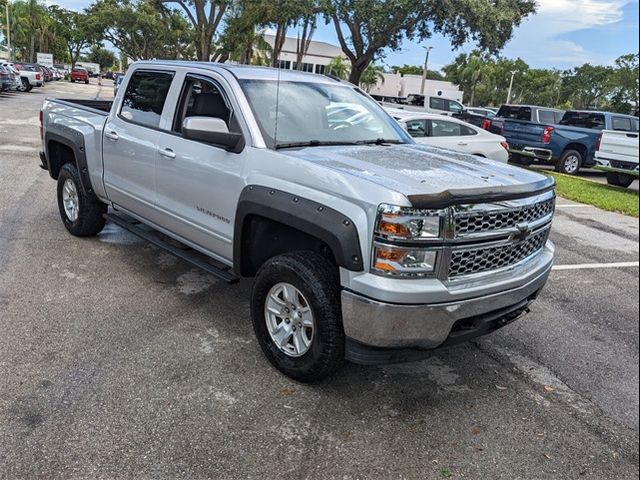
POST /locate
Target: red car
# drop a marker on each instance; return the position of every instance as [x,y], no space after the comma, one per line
[79,75]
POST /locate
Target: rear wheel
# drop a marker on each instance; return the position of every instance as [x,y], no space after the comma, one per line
[570,162]
[82,213]
[295,309]
[619,179]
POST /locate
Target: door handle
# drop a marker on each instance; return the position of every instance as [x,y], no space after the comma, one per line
[167,153]
[111,136]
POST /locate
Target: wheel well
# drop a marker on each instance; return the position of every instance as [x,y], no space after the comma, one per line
[263,238]
[57,155]
[578,147]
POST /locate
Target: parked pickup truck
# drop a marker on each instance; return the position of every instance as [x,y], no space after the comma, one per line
[570,144]
[363,245]
[617,154]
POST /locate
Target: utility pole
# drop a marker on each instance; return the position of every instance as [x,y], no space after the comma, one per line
[424,73]
[513,73]
[8,32]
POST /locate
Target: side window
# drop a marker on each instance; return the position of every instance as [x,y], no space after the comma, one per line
[546,116]
[145,96]
[467,131]
[416,128]
[622,124]
[558,116]
[201,97]
[442,128]
[453,106]
[436,103]
[636,124]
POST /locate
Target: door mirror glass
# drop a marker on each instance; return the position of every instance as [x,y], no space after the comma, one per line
[212,130]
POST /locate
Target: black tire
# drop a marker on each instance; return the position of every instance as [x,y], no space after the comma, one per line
[86,82]
[520,160]
[72,81]
[619,179]
[567,163]
[318,281]
[90,219]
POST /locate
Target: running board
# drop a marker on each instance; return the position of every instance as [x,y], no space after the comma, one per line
[188,256]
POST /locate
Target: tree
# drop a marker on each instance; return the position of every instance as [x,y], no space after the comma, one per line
[626,83]
[133,27]
[338,67]
[77,29]
[371,76]
[588,86]
[416,70]
[103,57]
[205,17]
[366,27]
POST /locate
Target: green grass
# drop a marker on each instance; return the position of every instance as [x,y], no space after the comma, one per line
[606,197]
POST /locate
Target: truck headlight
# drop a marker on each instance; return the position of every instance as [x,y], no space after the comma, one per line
[408,224]
[403,261]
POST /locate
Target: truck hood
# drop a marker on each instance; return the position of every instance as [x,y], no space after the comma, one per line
[428,175]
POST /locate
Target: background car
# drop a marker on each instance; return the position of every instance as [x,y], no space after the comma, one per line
[447,132]
[79,74]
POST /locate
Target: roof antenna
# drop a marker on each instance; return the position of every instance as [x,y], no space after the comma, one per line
[275,132]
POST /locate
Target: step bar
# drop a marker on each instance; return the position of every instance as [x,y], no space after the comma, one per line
[190,256]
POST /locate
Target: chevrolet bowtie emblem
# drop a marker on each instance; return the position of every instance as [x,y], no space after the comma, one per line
[522,234]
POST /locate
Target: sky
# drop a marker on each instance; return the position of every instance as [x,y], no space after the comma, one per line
[563,34]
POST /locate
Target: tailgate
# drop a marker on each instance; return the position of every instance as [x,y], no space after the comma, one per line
[621,146]
[521,134]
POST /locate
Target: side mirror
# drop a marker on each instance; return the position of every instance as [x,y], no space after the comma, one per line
[213,131]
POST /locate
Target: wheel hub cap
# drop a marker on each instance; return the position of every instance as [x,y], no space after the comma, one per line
[572,164]
[70,200]
[289,319]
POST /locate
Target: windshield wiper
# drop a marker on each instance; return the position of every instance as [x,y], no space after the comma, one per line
[325,143]
[379,141]
[313,143]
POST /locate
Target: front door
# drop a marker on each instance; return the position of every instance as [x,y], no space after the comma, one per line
[130,143]
[198,185]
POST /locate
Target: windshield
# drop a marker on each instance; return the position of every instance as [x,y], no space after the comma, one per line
[313,113]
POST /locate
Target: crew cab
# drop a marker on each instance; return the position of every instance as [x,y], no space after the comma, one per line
[79,74]
[617,154]
[433,104]
[362,244]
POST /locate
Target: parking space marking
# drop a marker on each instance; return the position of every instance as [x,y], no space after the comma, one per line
[595,266]
[573,206]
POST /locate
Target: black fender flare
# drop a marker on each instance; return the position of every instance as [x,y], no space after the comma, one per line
[75,141]
[324,223]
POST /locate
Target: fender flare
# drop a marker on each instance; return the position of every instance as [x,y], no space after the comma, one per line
[76,144]
[328,225]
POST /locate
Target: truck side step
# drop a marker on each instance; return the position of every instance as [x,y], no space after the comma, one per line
[190,256]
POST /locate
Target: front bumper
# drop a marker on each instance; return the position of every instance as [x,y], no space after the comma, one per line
[426,326]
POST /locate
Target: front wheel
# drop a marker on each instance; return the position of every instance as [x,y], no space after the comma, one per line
[619,179]
[296,315]
[82,213]
[570,162]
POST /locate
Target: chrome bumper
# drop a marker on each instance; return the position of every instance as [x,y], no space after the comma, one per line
[388,325]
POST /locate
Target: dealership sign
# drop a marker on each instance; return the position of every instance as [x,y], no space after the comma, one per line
[45,59]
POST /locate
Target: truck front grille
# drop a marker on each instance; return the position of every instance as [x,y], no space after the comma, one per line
[475,222]
[485,259]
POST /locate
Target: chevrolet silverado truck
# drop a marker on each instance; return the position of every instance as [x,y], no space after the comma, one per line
[617,155]
[569,145]
[363,245]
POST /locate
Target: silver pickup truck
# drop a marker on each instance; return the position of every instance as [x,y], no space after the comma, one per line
[363,245]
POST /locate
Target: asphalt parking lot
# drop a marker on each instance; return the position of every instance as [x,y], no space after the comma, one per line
[119,361]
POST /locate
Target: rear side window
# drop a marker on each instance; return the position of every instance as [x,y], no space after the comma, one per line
[437,103]
[444,128]
[515,112]
[145,96]
[592,120]
[622,124]
[546,116]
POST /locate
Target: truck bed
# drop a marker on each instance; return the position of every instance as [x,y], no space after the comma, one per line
[102,106]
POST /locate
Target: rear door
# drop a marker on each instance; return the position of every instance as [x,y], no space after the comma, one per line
[447,134]
[198,184]
[129,146]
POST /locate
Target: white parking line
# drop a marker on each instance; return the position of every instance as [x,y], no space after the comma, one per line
[595,266]
[573,206]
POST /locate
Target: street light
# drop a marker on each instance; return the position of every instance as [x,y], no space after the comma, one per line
[8,31]
[424,73]
[513,73]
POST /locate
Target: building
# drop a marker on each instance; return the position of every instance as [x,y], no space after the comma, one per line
[316,60]
[398,85]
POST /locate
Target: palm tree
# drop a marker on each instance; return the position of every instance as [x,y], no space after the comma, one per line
[371,76]
[338,67]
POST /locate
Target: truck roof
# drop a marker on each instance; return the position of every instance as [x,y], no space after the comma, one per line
[247,72]
[602,112]
[532,106]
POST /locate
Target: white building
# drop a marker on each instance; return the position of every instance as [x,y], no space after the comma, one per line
[317,58]
[398,85]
